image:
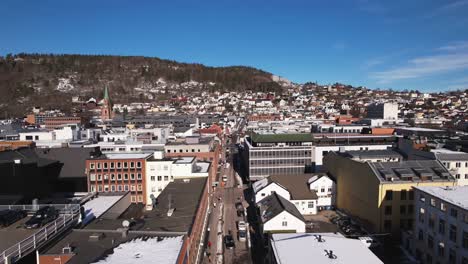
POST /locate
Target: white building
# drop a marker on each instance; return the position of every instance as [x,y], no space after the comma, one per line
[52,138]
[161,171]
[318,248]
[279,215]
[325,189]
[383,111]
[441,224]
[456,162]
[293,188]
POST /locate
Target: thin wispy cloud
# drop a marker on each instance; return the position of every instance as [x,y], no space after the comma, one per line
[422,67]
[456,46]
[451,6]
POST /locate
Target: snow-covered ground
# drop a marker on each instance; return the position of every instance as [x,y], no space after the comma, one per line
[138,250]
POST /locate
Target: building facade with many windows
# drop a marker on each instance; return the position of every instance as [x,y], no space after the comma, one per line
[441,224]
[118,172]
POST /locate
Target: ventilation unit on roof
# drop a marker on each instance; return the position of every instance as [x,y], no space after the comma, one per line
[405,174]
[424,174]
[67,250]
[441,172]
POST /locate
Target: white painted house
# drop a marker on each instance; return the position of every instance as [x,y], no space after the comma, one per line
[292,187]
[325,189]
[279,215]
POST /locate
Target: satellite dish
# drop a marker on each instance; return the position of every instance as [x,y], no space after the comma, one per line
[126,223]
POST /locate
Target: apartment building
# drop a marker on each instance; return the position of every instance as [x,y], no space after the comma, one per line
[383,111]
[380,194]
[457,163]
[441,225]
[118,172]
[160,171]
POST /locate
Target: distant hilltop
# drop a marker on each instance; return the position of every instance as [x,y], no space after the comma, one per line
[50,80]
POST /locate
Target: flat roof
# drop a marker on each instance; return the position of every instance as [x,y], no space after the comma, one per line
[304,248]
[411,171]
[277,136]
[456,195]
[185,196]
[183,160]
[378,153]
[125,156]
[99,205]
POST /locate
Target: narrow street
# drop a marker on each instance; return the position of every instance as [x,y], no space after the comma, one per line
[224,218]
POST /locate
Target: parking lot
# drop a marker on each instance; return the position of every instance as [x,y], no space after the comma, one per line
[15,233]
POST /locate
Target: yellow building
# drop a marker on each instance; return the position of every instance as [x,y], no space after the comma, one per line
[379,194]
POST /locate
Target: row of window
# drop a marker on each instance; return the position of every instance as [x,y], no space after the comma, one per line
[442,207]
[310,204]
[135,198]
[99,177]
[404,195]
[181,150]
[300,161]
[112,165]
[280,153]
[166,178]
[439,248]
[457,164]
[117,188]
[404,209]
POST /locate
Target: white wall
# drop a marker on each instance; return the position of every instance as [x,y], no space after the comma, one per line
[303,206]
[293,224]
[460,172]
[325,189]
[272,187]
[317,151]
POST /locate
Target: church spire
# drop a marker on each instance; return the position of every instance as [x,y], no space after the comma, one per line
[106,94]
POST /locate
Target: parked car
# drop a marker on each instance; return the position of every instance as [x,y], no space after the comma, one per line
[241,225]
[42,217]
[240,209]
[8,217]
[229,241]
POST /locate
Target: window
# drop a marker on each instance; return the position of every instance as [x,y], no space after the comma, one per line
[126,188]
[113,176]
[139,187]
[98,165]
[140,198]
[132,164]
[125,176]
[91,165]
[133,199]
[99,188]
[106,188]
[284,223]
[402,209]
[112,165]
[105,165]
[422,198]
[106,177]
[453,233]
[153,189]
[388,210]
[389,195]
[322,189]
[421,215]
[193,150]
[420,235]
[132,188]
[441,249]
[411,195]
[453,212]
[431,221]
[113,188]
[443,208]
[388,225]
[138,164]
[458,164]
[159,178]
[120,188]
[138,176]
[430,242]
[442,226]
[92,177]
[403,195]
[310,204]
[433,202]
[153,178]
[119,176]
[119,165]
[125,165]
[465,240]
[132,176]
[452,256]
[166,178]
[99,177]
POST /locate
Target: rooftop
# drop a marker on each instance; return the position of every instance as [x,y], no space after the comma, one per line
[183,160]
[411,170]
[274,204]
[457,195]
[125,156]
[277,137]
[296,184]
[383,153]
[302,248]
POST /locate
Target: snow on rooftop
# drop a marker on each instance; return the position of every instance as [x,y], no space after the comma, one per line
[302,248]
[127,155]
[457,195]
[153,250]
[98,206]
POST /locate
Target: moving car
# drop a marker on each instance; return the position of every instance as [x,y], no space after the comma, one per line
[42,217]
[242,234]
[229,241]
[8,217]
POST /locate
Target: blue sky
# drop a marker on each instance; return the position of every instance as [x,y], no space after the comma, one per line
[416,44]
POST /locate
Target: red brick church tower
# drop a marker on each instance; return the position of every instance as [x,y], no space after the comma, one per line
[106,108]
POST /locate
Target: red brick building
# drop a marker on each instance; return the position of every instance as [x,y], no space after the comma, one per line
[118,173]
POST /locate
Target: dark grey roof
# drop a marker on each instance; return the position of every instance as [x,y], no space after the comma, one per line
[296,184]
[452,156]
[73,160]
[411,170]
[274,204]
[185,197]
[381,153]
[25,155]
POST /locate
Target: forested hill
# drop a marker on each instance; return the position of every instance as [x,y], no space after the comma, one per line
[50,80]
